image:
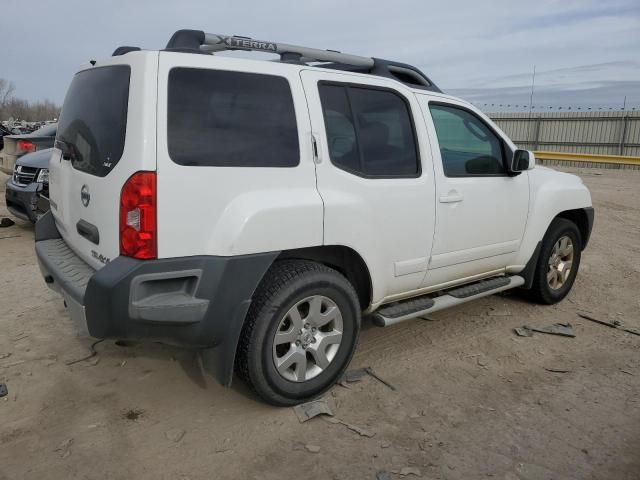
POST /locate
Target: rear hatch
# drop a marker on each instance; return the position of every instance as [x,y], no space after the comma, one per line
[106,133]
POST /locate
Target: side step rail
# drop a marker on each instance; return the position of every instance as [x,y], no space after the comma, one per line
[419,306]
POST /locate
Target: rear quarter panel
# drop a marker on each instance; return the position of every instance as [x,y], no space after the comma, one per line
[235,210]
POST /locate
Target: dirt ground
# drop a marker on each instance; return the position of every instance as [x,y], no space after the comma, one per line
[472,399]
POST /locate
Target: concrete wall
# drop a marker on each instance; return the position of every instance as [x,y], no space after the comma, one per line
[604,133]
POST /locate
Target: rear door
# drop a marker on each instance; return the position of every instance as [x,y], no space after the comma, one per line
[375,175]
[105,134]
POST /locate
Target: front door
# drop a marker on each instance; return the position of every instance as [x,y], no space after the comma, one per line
[481,210]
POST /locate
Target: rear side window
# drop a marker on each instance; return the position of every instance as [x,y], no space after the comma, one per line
[93,121]
[369,131]
[231,119]
[468,147]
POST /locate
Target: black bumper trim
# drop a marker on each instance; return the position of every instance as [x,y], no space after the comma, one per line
[198,301]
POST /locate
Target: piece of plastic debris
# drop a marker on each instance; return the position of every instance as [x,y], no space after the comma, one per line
[354,428]
[306,411]
[383,475]
[4,391]
[175,434]
[6,222]
[523,331]
[312,448]
[384,382]
[353,376]
[616,324]
[64,445]
[404,471]
[562,329]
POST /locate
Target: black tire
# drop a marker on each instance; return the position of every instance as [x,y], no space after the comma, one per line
[285,284]
[541,291]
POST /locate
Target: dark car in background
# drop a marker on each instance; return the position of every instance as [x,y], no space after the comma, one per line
[16,146]
[4,131]
[27,193]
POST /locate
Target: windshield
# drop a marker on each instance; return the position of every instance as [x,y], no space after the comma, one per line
[92,126]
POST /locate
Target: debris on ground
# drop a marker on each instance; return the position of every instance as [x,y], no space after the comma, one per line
[614,324]
[6,222]
[4,391]
[312,448]
[370,371]
[352,376]
[383,475]
[410,471]
[561,329]
[306,411]
[86,357]
[523,331]
[64,445]
[557,370]
[175,434]
[363,432]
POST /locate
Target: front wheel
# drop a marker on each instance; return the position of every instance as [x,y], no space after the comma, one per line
[558,262]
[300,333]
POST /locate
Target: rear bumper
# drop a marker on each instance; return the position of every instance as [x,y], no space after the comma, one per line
[24,202]
[198,301]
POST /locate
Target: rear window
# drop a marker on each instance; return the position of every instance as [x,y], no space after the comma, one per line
[231,119]
[93,122]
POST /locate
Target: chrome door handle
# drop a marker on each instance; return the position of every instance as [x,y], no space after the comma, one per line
[451,197]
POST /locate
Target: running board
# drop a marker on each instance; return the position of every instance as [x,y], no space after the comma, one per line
[417,307]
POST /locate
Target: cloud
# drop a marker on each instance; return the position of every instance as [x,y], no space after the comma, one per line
[462,45]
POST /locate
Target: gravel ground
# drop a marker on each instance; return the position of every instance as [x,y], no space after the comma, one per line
[472,399]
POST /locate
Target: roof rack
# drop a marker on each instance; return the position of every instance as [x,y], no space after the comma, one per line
[201,42]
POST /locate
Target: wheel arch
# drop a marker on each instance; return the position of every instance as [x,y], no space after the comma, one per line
[343,259]
[582,218]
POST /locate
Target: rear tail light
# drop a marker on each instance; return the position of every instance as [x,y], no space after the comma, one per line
[138,221]
[26,146]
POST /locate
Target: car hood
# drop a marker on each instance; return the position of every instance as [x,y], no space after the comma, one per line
[39,159]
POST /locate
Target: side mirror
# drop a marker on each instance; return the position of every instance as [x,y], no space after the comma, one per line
[522,160]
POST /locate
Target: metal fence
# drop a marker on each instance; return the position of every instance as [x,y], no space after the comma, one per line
[601,133]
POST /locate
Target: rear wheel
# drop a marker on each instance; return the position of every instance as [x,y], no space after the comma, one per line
[558,263]
[300,333]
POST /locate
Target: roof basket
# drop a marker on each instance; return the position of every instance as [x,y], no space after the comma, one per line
[199,41]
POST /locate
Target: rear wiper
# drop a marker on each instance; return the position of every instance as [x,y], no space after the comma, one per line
[68,149]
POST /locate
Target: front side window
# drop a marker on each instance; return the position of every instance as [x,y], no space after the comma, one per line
[467,145]
[369,131]
[231,119]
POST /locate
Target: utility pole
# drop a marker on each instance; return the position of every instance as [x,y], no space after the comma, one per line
[533,83]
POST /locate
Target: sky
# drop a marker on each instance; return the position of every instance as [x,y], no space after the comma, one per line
[586,53]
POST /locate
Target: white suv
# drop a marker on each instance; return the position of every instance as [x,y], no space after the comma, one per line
[257,209]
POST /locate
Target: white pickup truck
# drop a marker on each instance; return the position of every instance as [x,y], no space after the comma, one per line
[256,210]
